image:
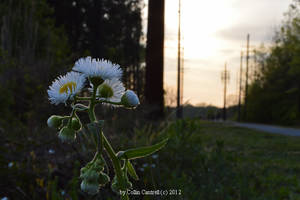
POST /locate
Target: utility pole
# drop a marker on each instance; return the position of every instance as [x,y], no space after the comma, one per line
[225,80]
[179,108]
[181,80]
[246,86]
[240,91]
[236,100]
[154,93]
[255,66]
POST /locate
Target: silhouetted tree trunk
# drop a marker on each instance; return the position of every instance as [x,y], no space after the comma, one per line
[154,93]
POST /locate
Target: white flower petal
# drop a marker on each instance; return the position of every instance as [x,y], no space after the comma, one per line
[117,88]
[65,87]
[98,68]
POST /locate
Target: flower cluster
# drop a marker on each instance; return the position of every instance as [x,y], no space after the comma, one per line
[104,77]
[92,175]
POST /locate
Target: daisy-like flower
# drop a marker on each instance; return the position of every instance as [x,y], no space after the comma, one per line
[98,68]
[111,90]
[65,87]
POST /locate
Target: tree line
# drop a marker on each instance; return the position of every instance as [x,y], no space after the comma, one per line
[274,95]
[39,38]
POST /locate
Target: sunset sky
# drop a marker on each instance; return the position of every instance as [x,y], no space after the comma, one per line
[214,32]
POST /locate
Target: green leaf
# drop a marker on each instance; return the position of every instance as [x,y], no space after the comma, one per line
[142,151]
[131,170]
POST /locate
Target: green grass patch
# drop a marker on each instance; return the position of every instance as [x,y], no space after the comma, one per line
[201,161]
[208,160]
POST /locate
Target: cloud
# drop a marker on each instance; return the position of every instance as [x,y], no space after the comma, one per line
[260,18]
[237,33]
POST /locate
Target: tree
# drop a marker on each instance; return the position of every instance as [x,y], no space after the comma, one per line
[275,96]
[32,50]
[154,93]
[109,29]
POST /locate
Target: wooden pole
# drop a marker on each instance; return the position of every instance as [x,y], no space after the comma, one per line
[179,108]
[240,90]
[246,85]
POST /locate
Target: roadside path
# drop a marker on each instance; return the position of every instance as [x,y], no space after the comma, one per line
[269,128]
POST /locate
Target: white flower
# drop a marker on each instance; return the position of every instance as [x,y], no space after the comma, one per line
[130,99]
[51,151]
[98,68]
[111,90]
[10,164]
[66,87]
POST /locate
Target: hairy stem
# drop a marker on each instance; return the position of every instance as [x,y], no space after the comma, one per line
[107,146]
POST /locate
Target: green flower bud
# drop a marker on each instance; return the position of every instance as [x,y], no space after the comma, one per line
[89,187]
[99,164]
[103,179]
[75,124]
[130,99]
[55,121]
[105,91]
[86,168]
[96,81]
[115,186]
[90,175]
[67,134]
[128,184]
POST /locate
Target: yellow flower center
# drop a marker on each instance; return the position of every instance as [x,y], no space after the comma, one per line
[67,87]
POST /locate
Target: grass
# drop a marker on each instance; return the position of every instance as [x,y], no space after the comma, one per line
[202,160]
[254,146]
[218,161]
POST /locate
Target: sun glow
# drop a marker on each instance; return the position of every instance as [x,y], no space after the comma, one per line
[214,32]
[199,22]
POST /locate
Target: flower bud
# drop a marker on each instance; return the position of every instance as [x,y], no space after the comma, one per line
[128,184]
[89,175]
[67,134]
[103,178]
[130,99]
[105,91]
[115,186]
[75,124]
[55,121]
[89,187]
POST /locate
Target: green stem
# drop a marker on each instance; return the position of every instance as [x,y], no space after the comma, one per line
[107,146]
[70,118]
[83,98]
[91,110]
[110,102]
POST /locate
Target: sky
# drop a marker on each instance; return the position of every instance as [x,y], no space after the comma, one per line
[214,32]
